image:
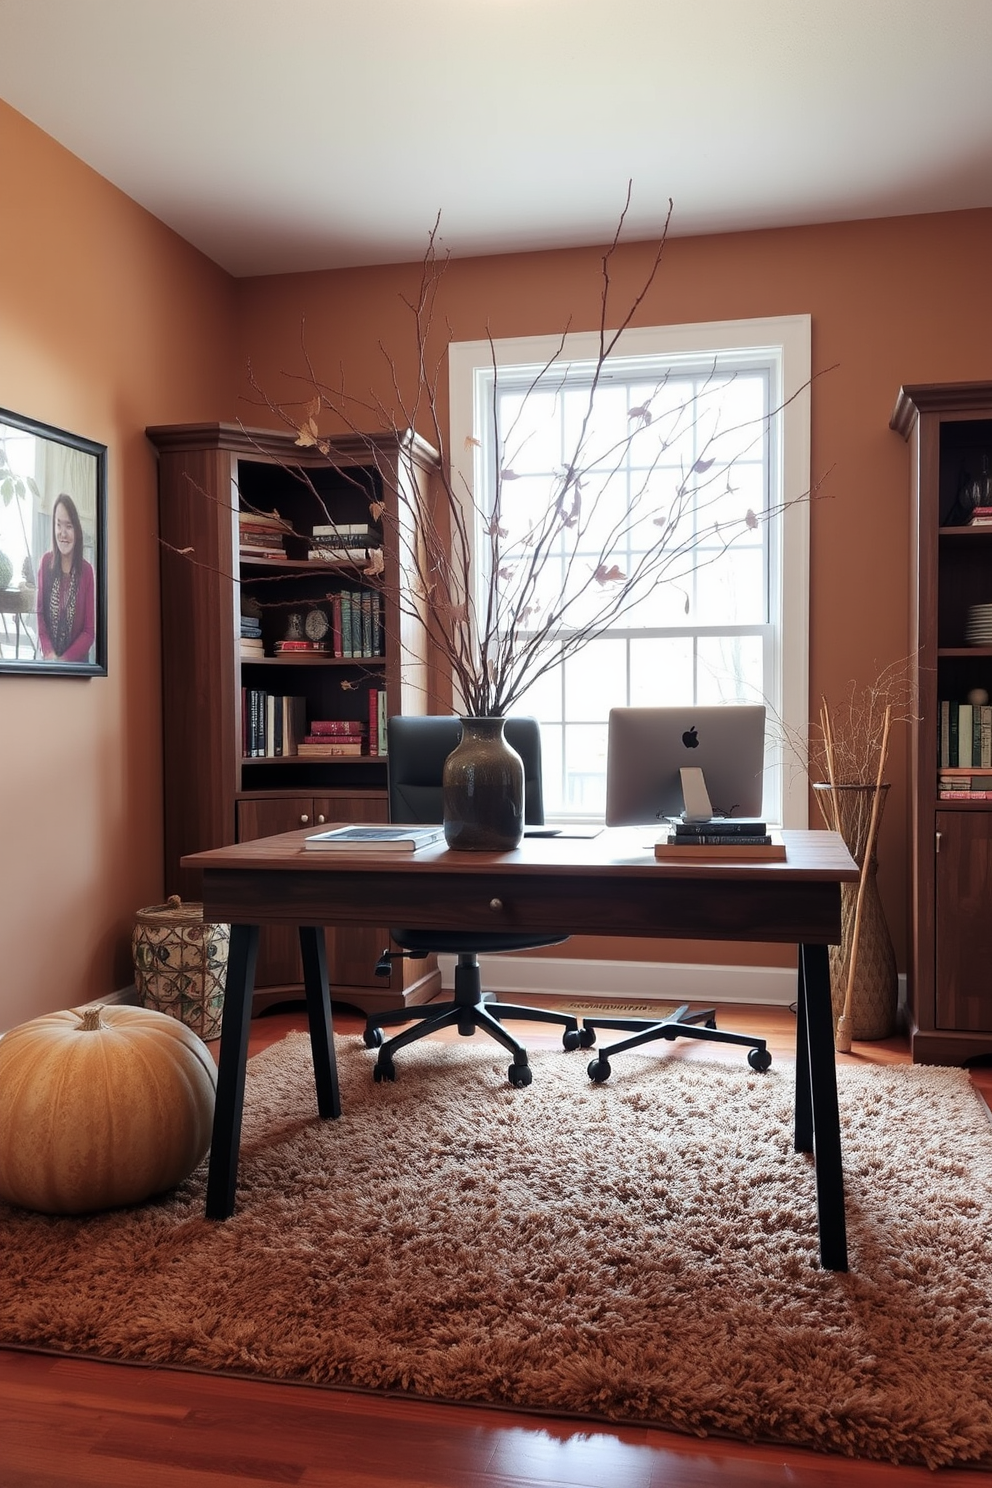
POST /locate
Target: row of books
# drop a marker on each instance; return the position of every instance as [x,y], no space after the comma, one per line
[274,726]
[356,627]
[965,735]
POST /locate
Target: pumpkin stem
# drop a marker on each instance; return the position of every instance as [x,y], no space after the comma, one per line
[90,1019]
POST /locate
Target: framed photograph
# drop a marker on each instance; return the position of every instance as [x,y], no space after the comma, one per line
[53,545]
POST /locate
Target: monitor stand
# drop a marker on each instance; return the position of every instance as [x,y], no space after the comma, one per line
[695,797]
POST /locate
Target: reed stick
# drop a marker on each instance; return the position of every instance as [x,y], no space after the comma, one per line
[828,739]
[842,1038]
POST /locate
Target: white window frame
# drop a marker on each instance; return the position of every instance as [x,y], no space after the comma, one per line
[782,346]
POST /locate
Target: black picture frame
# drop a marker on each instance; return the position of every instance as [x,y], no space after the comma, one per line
[53,550]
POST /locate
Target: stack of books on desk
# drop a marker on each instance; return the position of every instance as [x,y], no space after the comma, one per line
[730,838]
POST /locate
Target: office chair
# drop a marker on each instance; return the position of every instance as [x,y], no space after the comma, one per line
[632,786]
[417,749]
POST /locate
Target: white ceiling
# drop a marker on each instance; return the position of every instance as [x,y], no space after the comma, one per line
[284,135]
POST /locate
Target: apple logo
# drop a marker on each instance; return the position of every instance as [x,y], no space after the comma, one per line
[690,738]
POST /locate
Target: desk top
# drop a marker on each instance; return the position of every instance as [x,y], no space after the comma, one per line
[620,852]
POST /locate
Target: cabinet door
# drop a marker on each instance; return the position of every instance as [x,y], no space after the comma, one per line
[352,954]
[964,921]
[279,963]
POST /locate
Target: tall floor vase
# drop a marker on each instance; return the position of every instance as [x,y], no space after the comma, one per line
[483,790]
[875,992]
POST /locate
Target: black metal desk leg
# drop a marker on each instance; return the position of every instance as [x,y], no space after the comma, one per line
[804,1095]
[222,1175]
[826,1114]
[325,1069]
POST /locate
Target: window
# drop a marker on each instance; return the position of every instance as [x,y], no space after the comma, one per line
[721,414]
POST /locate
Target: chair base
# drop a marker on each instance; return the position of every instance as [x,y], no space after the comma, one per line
[700,1024]
[470,1011]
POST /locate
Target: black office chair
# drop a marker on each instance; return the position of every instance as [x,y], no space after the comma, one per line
[699,1023]
[417,749]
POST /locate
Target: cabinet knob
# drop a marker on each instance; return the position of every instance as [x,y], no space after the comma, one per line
[321,817]
[304,819]
[496,905]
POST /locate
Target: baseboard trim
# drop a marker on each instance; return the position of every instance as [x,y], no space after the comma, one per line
[645,981]
[666,981]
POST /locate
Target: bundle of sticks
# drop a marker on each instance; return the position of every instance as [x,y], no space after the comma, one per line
[843,1034]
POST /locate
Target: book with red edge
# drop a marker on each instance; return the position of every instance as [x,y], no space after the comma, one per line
[373,723]
[332,726]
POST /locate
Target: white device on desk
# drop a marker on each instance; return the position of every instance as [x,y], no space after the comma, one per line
[695,763]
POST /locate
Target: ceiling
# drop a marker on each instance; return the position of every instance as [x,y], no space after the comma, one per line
[287,135]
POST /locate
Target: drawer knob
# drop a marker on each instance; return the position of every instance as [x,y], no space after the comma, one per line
[496,905]
[321,817]
[304,819]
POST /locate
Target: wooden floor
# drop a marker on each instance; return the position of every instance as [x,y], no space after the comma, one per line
[68,1422]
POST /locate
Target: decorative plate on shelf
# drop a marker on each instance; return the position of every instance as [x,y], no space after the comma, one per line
[317,625]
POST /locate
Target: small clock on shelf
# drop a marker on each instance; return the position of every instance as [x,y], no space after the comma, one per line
[317,625]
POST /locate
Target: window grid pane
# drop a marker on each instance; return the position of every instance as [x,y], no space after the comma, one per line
[702,460]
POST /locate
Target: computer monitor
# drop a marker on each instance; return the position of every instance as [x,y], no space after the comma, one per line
[648,747]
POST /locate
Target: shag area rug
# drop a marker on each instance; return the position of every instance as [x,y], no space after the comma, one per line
[643,1250]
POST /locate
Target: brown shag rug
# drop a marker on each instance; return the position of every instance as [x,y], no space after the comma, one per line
[639,1251]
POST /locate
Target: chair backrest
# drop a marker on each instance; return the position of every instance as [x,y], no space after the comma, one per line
[417,748]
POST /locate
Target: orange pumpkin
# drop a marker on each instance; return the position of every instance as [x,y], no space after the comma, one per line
[101,1108]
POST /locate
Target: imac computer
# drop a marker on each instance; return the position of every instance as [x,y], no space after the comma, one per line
[650,747]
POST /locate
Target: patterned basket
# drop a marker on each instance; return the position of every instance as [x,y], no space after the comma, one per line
[180,964]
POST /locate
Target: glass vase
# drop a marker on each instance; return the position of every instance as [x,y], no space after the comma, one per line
[483,790]
[874,996]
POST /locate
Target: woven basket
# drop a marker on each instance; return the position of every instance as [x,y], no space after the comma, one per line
[180,964]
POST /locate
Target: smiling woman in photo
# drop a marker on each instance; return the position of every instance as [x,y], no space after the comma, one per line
[66,590]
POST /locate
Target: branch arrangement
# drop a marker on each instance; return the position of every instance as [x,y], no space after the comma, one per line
[506,594]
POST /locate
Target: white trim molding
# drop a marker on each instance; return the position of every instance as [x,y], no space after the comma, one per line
[662,982]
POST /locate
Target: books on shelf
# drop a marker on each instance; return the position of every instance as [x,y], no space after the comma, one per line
[260,534]
[375,839]
[356,623]
[271,725]
[964,735]
[337,726]
[347,534]
[324,748]
[347,555]
[300,648]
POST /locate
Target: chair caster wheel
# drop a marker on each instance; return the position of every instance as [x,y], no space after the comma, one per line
[759,1059]
[587,1037]
[520,1076]
[571,1039]
[373,1037]
[383,1069]
[599,1070]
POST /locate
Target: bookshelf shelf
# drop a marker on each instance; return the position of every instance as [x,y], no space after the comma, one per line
[949,431]
[223,488]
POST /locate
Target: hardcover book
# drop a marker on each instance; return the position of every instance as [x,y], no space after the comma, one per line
[724,850]
[375,839]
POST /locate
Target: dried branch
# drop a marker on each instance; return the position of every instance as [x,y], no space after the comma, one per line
[503,601]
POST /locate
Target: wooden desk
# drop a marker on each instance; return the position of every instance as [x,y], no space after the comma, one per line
[609,885]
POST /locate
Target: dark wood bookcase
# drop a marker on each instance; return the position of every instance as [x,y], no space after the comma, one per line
[949,430]
[214,793]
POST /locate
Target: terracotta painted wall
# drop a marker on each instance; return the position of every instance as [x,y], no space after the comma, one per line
[892,301]
[108,322]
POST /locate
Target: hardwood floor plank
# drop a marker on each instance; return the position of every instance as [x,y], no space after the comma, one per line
[69,1423]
